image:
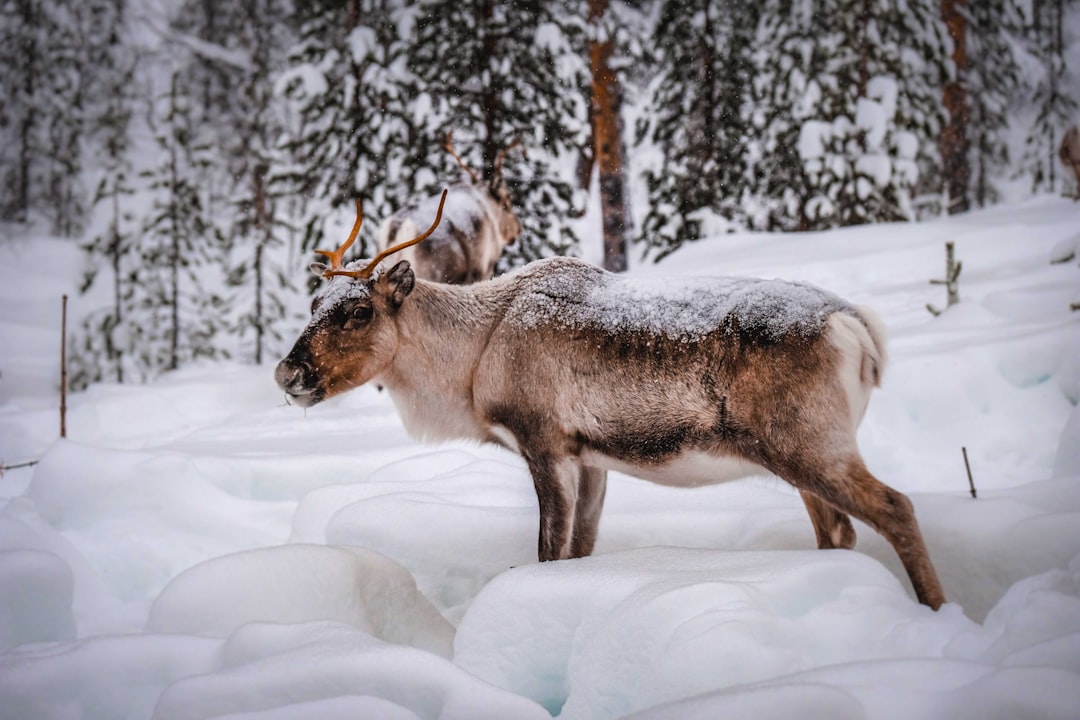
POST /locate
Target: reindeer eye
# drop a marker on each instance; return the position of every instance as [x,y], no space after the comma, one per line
[358,316]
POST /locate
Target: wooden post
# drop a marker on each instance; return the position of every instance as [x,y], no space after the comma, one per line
[971,483]
[951,281]
[63,368]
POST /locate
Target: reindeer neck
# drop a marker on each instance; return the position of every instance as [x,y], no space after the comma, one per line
[443,329]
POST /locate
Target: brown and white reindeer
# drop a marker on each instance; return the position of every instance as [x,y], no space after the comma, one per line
[581,371]
[480,223]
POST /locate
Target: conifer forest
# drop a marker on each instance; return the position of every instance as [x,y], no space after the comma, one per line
[199,151]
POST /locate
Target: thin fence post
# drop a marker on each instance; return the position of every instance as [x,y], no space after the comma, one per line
[63,368]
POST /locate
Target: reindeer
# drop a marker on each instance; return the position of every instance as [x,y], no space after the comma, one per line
[581,371]
[1069,152]
[480,224]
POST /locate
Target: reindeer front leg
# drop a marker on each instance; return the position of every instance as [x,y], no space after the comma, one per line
[590,501]
[558,483]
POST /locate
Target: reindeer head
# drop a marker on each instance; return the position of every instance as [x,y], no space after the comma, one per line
[352,334]
[496,189]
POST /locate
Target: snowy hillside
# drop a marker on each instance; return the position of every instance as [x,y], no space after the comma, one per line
[197,549]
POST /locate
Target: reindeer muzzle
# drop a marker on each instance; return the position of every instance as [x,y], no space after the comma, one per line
[299,381]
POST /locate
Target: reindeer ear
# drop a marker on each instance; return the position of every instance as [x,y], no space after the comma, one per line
[318,268]
[401,280]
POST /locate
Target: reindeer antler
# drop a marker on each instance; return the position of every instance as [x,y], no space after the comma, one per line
[336,256]
[502,155]
[448,147]
[366,271]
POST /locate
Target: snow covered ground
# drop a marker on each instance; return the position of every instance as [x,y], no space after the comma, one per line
[198,549]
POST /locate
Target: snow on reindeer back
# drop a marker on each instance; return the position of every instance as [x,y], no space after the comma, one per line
[576,295]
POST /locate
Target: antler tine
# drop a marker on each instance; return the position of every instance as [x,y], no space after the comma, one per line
[336,256]
[450,149]
[503,153]
[366,271]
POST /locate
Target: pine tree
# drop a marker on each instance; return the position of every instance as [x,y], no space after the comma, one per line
[259,283]
[856,91]
[22,55]
[234,51]
[914,43]
[701,121]
[356,134]
[476,74]
[994,30]
[98,346]
[172,289]
[787,59]
[44,49]
[1051,94]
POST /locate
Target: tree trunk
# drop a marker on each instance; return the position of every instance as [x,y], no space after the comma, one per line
[864,49]
[1057,51]
[114,254]
[954,140]
[262,232]
[174,241]
[608,144]
[21,210]
[489,145]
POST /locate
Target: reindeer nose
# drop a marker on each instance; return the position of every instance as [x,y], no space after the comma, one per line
[290,376]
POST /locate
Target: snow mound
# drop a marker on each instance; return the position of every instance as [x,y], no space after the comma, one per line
[662,624]
[100,678]
[329,671]
[36,590]
[1067,459]
[764,703]
[300,583]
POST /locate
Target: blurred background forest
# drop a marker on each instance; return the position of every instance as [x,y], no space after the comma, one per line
[200,150]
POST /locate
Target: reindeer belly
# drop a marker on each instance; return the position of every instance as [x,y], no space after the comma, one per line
[690,468]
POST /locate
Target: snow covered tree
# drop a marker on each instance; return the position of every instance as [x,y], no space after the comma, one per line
[701,97]
[787,56]
[1051,92]
[172,288]
[855,88]
[261,229]
[995,28]
[236,50]
[356,134]
[45,52]
[492,72]
[21,53]
[97,347]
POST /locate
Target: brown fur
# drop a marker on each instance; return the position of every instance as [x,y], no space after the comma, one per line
[577,399]
[467,245]
[1069,152]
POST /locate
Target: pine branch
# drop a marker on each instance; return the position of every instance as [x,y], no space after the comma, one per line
[16,466]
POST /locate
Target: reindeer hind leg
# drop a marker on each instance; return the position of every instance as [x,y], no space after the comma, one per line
[849,488]
[891,513]
[832,527]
